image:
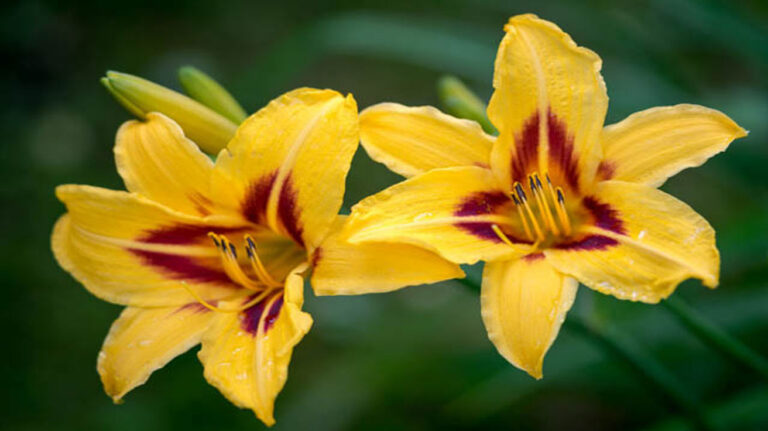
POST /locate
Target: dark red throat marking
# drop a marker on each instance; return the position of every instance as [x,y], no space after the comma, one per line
[561,151]
[606,217]
[526,149]
[254,207]
[252,316]
[185,268]
[484,203]
[288,211]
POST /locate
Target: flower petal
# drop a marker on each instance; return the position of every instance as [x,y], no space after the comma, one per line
[129,250]
[342,268]
[157,161]
[287,164]
[657,242]
[246,354]
[450,211]
[143,340]
[549,105]
[524,302]
[652,145]
[413,140]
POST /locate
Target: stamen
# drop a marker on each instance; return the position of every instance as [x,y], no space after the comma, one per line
[257,265]
[541,201]
[501,235]
[231,265]
[524,200]
[519,207]
[212,307]
[562,213]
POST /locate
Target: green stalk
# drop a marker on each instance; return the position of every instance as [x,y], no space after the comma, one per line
[716,338]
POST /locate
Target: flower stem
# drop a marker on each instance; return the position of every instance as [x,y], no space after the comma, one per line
[716,338]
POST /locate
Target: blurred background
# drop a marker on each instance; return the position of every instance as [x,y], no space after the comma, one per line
[418,358]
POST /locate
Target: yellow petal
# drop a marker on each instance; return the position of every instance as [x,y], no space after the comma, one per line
[129,250]
[652,145]
[658,242]
[157,161]
[450,211]
[413,140]
[549,105]
[287,164]
[246,355]
[341,268]
[143,340]
[524,302]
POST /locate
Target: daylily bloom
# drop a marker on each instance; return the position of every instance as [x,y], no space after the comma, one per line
[214,253]
[555,200]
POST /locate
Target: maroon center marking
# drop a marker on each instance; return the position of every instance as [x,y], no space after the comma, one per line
[526,149]
[606,170]
[254,207]
[252,316]
[533,257]
[316,256]
[605,216]
[484,203]
[288,211]
[561,150]
[177,267]
[180,267]
[590,242]
[182,234]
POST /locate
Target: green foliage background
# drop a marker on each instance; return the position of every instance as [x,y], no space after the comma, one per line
[414,359]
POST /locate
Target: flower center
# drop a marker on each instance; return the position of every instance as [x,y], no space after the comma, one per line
[541,210]
[260,282]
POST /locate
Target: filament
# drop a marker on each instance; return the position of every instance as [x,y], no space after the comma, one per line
[258,298]
[501,235]
[257,265]
[537,224]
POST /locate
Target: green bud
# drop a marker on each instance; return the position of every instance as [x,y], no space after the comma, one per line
[210,93]
[207,128]
[460,101]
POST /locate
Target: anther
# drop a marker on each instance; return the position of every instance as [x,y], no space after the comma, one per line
[231,265]
[534,222]
[541,199]
[257,264]
[519,207]
[562,213]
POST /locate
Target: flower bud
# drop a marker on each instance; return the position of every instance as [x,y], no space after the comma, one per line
[210,93]
[207,128]
[460,101]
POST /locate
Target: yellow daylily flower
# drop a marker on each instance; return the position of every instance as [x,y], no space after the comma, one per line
[555,200]
[216,252]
